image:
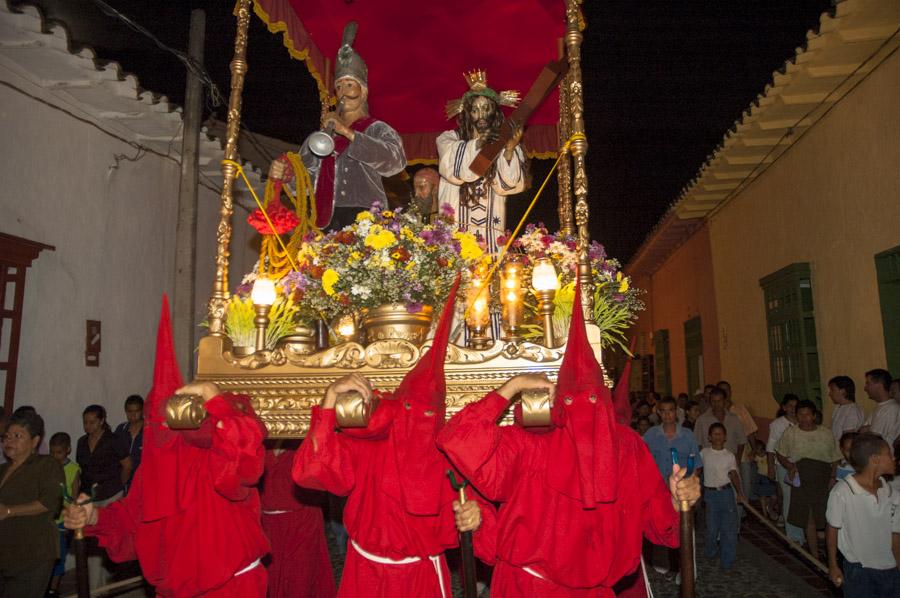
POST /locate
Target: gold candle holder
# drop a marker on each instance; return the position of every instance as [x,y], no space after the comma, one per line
[478,314]
[263,296]
[545,283]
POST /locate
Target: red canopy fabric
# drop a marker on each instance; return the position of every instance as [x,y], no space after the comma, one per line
[417,51]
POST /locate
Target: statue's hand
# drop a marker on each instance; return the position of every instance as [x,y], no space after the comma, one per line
[332,119]
[277,169]
[515,135]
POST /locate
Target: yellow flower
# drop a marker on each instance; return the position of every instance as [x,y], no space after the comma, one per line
[618,276]
[329,279]
[469,247]
[379,238]
[365,215]
[387,214]
[623,285]
[355,256]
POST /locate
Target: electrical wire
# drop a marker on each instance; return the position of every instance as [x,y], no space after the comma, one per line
[215,96]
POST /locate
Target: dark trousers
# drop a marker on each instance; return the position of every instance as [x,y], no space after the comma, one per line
[863,582]
[28,581]
[343,216]
[721,525]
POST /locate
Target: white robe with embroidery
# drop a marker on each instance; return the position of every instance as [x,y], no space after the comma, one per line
[488,218]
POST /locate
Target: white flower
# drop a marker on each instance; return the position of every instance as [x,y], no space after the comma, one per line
[360,291]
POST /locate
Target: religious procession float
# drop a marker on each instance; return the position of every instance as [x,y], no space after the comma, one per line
[348,278]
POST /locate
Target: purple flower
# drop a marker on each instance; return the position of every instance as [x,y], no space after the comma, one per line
[619,297]
[447,210]
[413,307]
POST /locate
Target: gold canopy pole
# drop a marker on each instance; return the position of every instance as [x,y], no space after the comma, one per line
[218,300]
[579,149]
[564,170]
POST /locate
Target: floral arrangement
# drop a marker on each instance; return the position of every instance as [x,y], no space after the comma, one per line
[616,302]
[239,315]
[384,257]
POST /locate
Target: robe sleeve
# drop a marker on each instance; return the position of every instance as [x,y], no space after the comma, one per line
[485,537]
[380,148]
[510,176]
[311,161]
[486,454]
[324,460]
[237,456]
[455,156]
[660,520]
[117,523]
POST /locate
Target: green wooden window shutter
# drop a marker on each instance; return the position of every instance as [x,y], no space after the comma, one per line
[662,363]
[693,352]
[887,268]
[791,325]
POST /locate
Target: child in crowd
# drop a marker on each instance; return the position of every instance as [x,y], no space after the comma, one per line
[864,523]
[691,413]
[844,468]
[643,424]
[60,449]
[763,486]
[722,484]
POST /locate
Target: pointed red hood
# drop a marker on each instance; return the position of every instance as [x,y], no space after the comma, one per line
[161,445]
[623,387]
[410,418]
[583,447]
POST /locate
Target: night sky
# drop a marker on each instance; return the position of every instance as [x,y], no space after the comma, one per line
[663,82]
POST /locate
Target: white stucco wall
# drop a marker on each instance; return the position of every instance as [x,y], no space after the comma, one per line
[114,233]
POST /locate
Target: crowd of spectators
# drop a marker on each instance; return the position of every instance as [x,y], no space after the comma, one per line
[34,486]
[806,477]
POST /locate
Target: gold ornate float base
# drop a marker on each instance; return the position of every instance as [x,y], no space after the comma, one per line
[284,384]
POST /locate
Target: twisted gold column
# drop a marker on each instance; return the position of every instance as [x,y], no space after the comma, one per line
[564,172]
[218,300]
[579,149]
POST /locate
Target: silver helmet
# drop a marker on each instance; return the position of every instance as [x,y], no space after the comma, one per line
[349,63]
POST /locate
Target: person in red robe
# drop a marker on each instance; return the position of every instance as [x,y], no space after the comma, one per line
[299,565]
[400,514]
[191,517]
[576,498]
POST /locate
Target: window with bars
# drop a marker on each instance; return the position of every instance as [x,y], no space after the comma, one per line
[16,255]
[887,267]
[661,362]
[693,353]
[791,325]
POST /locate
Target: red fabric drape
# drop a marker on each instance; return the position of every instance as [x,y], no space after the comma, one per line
[417,51]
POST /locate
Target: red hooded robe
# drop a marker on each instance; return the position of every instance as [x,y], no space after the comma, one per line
[292,519]
[577,499]
[399,508]
[192,515]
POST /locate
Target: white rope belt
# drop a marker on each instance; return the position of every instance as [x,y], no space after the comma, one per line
[533,572]
[274,512]
[435,560]
[249,567]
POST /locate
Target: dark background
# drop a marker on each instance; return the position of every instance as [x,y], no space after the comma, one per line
[663,82]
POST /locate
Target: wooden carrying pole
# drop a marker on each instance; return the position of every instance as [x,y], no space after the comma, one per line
[218,300]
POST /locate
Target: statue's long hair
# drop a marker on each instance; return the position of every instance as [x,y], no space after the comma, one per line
[470,193]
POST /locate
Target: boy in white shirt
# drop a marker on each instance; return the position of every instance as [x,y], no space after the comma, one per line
[864,523]
[722,483]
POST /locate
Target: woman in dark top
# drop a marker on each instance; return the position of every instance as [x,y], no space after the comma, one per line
[30,498]
[103,457]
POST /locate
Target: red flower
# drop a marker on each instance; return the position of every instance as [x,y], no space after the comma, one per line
[282,218]
[316,272]
[442,262]
[344,300]
[345,237]
[546,240]
[401,254]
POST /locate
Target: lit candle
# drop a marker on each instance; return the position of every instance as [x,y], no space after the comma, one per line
[511,298]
